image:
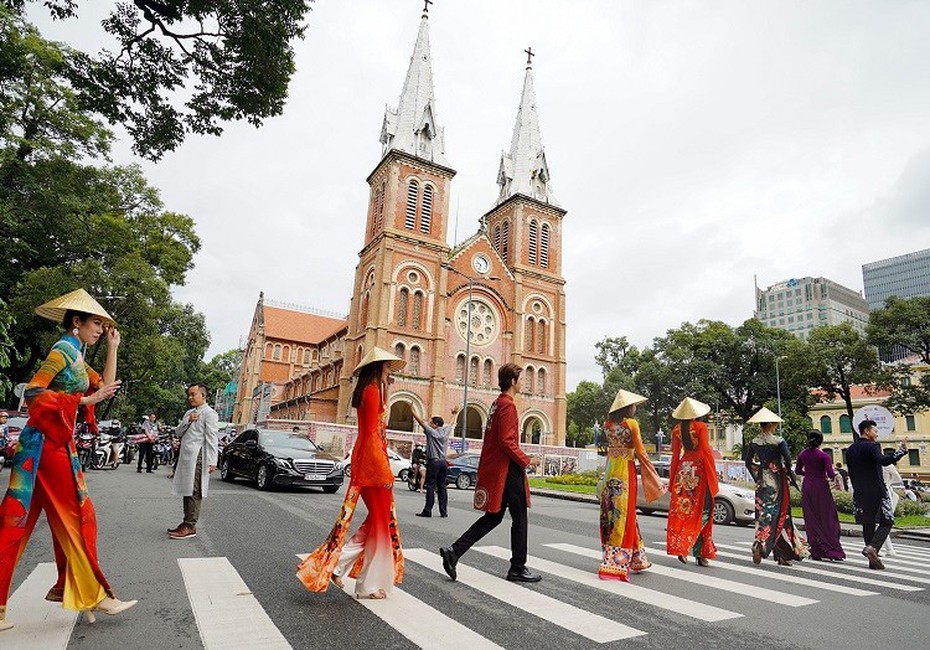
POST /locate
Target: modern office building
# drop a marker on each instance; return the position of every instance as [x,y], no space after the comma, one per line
[799,305]
[904,276]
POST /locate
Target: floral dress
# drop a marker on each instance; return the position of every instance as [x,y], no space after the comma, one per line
[621,542]
[693,487]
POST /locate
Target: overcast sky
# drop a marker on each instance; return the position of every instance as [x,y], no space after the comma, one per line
[694,145]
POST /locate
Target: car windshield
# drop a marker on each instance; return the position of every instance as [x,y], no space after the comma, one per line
[288,440]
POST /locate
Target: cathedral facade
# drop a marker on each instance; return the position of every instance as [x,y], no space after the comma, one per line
[455,314]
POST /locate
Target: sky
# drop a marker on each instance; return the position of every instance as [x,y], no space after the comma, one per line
[695,144]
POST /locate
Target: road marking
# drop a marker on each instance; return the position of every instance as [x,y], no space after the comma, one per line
[820,572]
[703,578]
[850,563]
[227,613]
[422,624]
[899,558]
[38,623]
[589,625]
[774,575]
[659,599]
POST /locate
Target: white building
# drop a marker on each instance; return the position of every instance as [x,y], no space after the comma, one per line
[799,305]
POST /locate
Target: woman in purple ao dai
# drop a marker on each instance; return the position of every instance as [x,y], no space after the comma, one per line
[821,522]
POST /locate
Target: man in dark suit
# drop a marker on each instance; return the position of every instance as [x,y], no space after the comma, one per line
[501,484]
[871,500]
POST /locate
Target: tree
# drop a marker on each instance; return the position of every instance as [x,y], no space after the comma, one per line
[903,323]
[839,358]
[234,57]
[6,345]
[222,369]
[586,406]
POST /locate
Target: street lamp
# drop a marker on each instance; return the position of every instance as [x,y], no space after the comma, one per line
[778,392]
[471,283]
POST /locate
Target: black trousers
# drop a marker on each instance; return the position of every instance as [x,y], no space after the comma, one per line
[514,500]
[875,535]
[436,471]
[146,451]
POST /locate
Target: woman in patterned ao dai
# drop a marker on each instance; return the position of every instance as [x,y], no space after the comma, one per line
[693,485]
[621,543]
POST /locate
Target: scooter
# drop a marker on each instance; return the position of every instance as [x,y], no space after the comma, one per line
[86,447]
[413,478]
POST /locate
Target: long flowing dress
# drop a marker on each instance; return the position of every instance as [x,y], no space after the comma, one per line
[693,486]
[621,543]
[373,555]
[821,523]
[775,529]
[47,476]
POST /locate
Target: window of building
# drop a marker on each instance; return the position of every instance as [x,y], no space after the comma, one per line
[541,381]
[413,193]
[379,209]
[530,334]
[845,424]
[473,371]
[534,241]
[460,368]
[529,383]
[414,367]
[541,338]
[909,423]
[277,352]
[505,240]
[426,210]
[416,321]
[544,246]
[402,299]
[488,372]
[400,351]
[826,424]
[306,357]
[497,239]
[913,457]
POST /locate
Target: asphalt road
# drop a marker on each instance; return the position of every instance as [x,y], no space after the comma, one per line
[261,532]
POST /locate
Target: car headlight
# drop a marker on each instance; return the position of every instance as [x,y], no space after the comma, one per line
[281,462]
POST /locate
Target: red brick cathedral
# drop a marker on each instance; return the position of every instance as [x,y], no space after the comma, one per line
[413,294]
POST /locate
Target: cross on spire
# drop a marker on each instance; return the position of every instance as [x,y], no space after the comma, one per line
[426,4]
[529,57]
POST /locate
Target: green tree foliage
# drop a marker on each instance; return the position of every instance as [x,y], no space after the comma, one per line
[234,59]
[904,323]
[586,405]
[6,346]
[837,358]
[222,369]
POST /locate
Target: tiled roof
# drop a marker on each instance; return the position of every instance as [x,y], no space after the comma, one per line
[299,326]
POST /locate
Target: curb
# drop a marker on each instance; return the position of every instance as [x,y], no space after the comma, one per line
[564,495]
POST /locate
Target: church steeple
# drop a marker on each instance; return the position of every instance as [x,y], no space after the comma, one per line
[412,126]
[523,169]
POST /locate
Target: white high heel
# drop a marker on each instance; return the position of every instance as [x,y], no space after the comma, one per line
[110,607]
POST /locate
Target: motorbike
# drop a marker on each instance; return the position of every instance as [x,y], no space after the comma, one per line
[413,477]
[86,443]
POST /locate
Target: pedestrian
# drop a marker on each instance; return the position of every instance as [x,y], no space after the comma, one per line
[4,437]
[769,462]
[693,486]
[197,455]
[437,444]
[46,474]
[147,443]
[821,523]
[502,483]
[872,503]
[621,543]
[892,477]
[844,476]
[418,466]
[373,554]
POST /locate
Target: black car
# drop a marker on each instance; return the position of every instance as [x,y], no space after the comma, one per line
[463,470]
[279,458]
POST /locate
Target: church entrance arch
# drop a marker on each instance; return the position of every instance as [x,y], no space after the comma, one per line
[474,423]
[401,418]
[532,431]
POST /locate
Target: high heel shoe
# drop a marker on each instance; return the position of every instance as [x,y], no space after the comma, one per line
[110,607]
[4,624]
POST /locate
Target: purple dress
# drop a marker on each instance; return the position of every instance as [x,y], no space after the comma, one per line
[821,522]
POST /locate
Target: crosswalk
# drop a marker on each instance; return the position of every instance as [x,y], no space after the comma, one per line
[229,615]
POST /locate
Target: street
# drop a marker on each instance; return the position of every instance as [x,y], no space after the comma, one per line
[192,595]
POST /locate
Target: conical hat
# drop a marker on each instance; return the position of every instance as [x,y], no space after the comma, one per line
[77,300]
[764,415]
[690,409]
[376,354]
[625,398]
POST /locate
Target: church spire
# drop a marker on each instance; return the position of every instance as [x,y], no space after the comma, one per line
[412,127]
[523,169]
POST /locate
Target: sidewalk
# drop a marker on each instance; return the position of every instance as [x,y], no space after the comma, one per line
[846,529]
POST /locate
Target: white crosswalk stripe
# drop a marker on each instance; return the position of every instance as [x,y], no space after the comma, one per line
[581,622]
[658,599]
[38,623]
[703,578]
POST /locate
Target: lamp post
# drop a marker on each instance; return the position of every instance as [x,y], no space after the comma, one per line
[778,392]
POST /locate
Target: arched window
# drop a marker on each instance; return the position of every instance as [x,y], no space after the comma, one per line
[505,240]
[534,241]
[402,301]
[287,353]
[460,368]
[414,367]
[415,322]
[488,372]
[328,379]
[400,351]
[530,374]
[845,424]
[426,209]
[541,338]
[530,330]
[277,352]
[473,371]
[413,192]
[497,239]
[307,357]
[826,424]
[544,247]
[379,209]
[541,381]
[269,350]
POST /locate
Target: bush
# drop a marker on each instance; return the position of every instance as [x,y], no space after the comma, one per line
[794,497]
[584,478]
[844,502]
[908,508]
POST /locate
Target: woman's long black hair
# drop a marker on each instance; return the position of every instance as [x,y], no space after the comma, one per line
[368,374]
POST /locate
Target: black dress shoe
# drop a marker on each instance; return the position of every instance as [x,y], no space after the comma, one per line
[424,514]
[523,575]
[449,560]
[443,514]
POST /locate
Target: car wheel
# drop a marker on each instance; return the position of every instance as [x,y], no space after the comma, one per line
[647,511]
[262,479]
[330,489]
[225,471]
[463,481]
[347,472]
[404,474]
[723,512]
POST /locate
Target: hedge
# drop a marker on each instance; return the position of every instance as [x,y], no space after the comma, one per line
[844,503]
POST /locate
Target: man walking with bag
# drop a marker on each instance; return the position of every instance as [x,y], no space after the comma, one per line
[197,457]
[502,483]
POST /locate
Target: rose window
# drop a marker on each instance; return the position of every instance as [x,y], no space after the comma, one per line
[483,322]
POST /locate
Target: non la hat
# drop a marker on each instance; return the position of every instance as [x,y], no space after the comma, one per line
[77,300]
[690,409]
[377,354]
[762,416]
[625,398]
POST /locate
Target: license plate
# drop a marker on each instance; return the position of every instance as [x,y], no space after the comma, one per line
[314,477]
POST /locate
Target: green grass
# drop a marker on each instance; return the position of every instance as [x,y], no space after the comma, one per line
[899,522]
[580,489]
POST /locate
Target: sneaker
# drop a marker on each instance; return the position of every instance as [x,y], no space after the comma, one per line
[184,532]
[523,575]
[176,529]
[449,560]
[872,554]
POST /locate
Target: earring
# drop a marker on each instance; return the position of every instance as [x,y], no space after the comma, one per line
[75,332]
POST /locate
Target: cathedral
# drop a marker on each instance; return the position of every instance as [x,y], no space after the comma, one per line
[455,314]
